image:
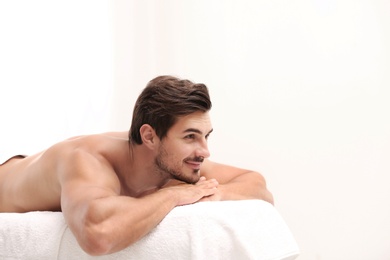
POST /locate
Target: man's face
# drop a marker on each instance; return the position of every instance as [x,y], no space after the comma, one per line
[183,150]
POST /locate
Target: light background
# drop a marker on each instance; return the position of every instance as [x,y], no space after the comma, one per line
[300,90]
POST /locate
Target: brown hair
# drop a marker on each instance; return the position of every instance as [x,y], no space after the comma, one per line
[163,100]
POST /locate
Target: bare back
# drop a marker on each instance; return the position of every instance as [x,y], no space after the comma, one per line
[34,183]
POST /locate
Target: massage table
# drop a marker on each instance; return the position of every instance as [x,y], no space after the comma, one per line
[239,230]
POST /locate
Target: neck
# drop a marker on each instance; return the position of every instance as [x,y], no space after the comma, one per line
[142,178]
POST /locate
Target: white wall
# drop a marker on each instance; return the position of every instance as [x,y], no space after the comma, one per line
[300,92]
[56,73]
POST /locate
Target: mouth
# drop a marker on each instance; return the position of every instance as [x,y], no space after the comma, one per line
[194,165]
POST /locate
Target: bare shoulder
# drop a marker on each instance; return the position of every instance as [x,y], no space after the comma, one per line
[92,158]
[39,181]
[95,144]
[90,169]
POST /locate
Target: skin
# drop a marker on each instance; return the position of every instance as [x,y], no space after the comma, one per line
[112,193]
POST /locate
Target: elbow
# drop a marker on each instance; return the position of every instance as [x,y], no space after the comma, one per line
[264,193]
[268,197]
[95,246]
[95,241]
[95,237]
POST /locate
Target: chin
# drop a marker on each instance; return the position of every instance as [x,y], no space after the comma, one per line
[190,178]
[196,176]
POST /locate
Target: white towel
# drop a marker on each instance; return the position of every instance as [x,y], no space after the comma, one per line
[251,229]
[236,230]
[30,236]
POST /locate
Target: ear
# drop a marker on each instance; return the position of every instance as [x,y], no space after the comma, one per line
[148,135]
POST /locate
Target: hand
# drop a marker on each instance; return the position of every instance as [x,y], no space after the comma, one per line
[217,196]
[213,197]
[191,193]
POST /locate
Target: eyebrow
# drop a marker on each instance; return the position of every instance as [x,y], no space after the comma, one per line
[194,130]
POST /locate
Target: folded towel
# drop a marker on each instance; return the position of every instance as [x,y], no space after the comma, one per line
[250,229]
[32,235]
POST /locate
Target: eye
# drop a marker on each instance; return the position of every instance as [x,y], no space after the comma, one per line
[190,136]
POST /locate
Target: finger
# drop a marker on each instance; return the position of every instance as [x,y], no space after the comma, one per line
[208,192]
[201,179]
[209,183]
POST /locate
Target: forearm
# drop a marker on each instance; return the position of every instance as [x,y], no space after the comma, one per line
[250,185]
[113,223]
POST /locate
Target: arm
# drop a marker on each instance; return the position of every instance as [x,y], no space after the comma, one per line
[101,219]
[236,183]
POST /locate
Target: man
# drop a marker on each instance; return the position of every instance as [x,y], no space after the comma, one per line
[114,188]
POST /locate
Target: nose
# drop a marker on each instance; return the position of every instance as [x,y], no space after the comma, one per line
[203,150]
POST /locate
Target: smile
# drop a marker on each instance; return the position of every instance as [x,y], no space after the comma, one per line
[194,165]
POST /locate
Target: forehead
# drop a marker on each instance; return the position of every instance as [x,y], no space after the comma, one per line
[198,120]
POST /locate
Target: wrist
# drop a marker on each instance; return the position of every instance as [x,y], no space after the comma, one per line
[169,196]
